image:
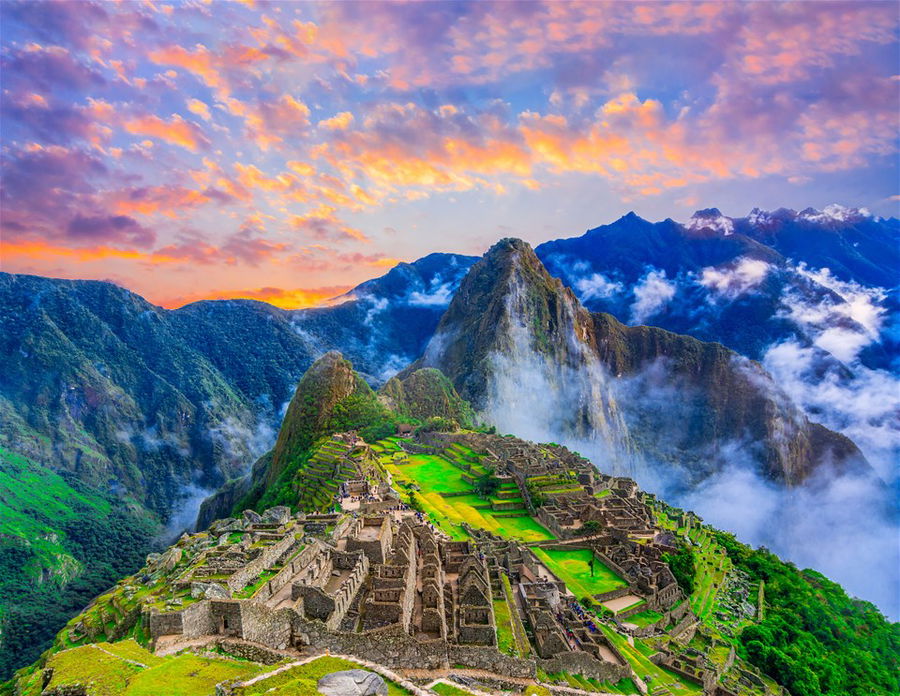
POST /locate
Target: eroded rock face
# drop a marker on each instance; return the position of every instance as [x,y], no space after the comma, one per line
[352,682]
[277,515]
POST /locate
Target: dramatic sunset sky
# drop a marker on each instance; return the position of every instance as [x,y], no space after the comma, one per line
[287,151]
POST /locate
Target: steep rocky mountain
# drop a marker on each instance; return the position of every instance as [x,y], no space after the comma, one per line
[748,282]
[330,397]
[424,394]
[509,317]
[531,359]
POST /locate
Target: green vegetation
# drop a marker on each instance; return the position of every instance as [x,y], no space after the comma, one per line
[576,681]
[572,566]
[711,565]
[644,618]
[682,565]
[487,485]
[126,669]
[523,646]
[506,640]
[426,394]
[450,499]
[445,689]
[303,679]
[815,639]
[644,668]
[60,545]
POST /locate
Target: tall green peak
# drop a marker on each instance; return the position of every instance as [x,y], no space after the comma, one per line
[426,393]
[330,397]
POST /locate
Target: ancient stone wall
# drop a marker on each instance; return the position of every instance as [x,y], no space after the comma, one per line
[585,665]
[262,625]
[242,577]
[165,624]
[300,561]
[491,660]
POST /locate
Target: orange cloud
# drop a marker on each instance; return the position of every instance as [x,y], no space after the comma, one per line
[199,62]
[339,121]
[195,106]
[176,130]
[45,250]
[295,298]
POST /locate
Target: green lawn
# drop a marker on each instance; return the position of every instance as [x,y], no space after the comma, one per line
[571,566]
[644,618]
[445,689]
[110,669]
[303,679]
[435,475]
[506,640]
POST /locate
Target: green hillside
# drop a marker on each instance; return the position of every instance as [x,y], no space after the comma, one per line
[60,545]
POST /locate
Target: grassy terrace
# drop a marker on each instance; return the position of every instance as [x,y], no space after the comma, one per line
[644,618]
[576,681]
[445,689]
[571,566]
[303,679]
[523,647]
[644,668]
[126,669]
[712,565]
[506,639]
[437,477]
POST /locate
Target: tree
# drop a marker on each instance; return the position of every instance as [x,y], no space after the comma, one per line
[487,485]
[591,527]
[681,563]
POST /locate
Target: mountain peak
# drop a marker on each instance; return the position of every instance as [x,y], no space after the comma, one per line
[328,382]
[711,219]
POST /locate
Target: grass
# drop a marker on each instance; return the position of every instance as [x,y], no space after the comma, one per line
[445,689]
[644,618]
[506,639]
[189,675]
[434,475]
[571,566]
[643,667]
[111,670]
[523,647]
[303,679]
[712,565]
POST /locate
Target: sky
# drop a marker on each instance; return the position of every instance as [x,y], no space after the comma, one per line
[287,151]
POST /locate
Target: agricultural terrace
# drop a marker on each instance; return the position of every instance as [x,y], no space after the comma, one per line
[576,681]
[711,565]
[446,493]
[127,669]
[572,567]
[664,682]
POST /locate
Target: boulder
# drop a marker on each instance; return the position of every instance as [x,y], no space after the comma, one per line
[170,559]
[209,590]
[251,516]
[280,514]
[352,682]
